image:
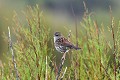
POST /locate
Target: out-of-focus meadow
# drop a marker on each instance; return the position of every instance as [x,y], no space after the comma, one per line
[57,15]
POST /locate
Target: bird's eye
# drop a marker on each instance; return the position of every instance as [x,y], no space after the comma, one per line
[56,35]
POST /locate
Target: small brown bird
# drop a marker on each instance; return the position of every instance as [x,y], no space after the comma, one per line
[62,44]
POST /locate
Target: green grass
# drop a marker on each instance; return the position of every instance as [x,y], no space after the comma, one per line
[34,58]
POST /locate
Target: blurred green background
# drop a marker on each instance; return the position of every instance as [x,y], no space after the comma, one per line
[57,12]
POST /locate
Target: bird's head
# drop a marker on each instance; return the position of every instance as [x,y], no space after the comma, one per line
[57,34]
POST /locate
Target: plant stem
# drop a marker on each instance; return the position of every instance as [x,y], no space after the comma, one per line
[13,57]
[63,73]
[61,65]
[114,43]
[75,26]
[46,69]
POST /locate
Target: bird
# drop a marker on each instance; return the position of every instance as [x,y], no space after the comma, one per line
[62,44]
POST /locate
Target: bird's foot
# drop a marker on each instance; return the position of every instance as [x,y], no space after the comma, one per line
[63,57]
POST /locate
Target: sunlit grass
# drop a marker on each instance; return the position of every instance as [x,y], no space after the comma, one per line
[94,61]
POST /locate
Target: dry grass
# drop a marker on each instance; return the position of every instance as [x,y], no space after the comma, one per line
[99,59]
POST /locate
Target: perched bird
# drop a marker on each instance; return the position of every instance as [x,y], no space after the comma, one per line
[62,44]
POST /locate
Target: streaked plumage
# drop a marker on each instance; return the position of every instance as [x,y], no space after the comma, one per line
[62,44]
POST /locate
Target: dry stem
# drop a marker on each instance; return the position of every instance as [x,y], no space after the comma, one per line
[13,57]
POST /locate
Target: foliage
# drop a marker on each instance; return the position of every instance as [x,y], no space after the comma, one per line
[34,58]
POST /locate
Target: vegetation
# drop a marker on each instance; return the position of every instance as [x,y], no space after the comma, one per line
[99,59]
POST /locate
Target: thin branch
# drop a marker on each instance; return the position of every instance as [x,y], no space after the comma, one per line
[61,65]
[64,73]
[86,10]
[114,43]
[13,57]
[75,25]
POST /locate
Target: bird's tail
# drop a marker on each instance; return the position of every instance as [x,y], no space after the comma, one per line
[76,48]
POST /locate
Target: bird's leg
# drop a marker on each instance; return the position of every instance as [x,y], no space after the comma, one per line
[63,57]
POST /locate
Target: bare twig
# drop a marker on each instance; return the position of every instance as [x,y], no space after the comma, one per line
[61,65]
[63,73]
[75,25]
[13,57]
[114,43]
[86,10]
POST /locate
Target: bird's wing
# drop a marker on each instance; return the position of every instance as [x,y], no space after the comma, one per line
[64,42]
